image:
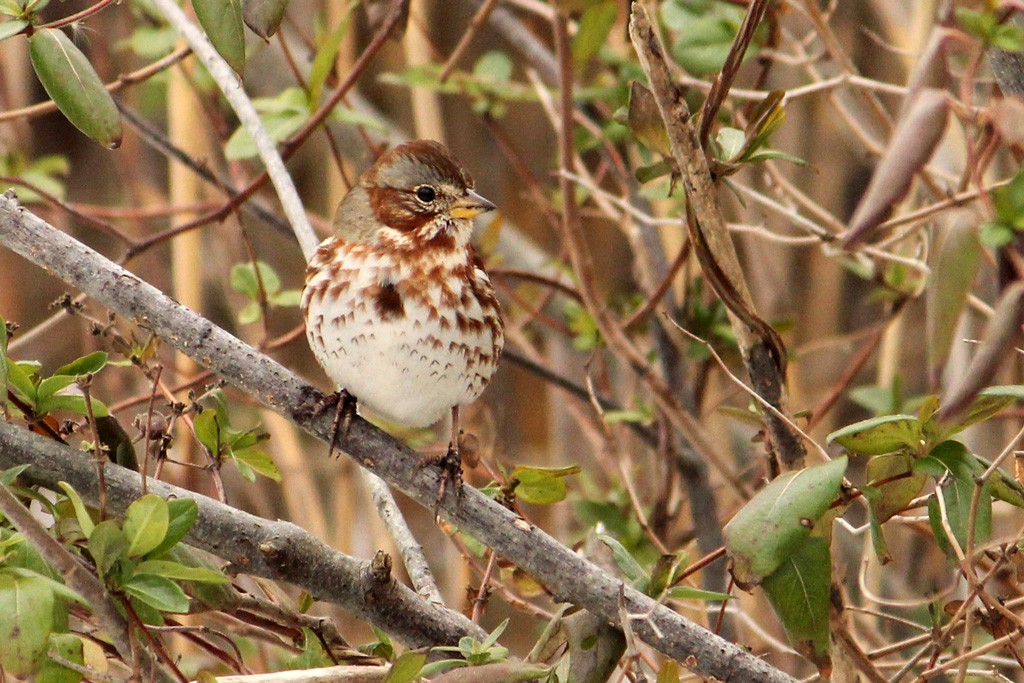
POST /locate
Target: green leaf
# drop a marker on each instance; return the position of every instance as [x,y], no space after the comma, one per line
[148,614]
[67,646]
[436,667]
[880,435]
[799,593]
[159,593]
[895,493]
[73,85]
[493,636]
[243,279]
[625,561]
[264,16]
[643,119]
[354,117]
[594,26]
[107,545]
[26,618]
[51,385]
[182,514]
[207,428]
[382,647]
[1005,488]
[74,403]
[59,589]
[691,593]
[8,476]
[988,402]
[326,53]
[85,365]
[313,654]
[222,21]
[213,596]
[878,543]
[282,116]
[176,570]
[731,142]
[494,66]
[948,288]
[145,524]
[19,377]
[287,298]
[778,519]
[12,28]
[957,491]
[84,518]
[407,667]
[256,461]
[541,485]
[250,313]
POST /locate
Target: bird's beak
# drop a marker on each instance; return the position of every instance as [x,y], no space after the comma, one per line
[471,205]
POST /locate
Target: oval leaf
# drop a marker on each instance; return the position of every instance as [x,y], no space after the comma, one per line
[26,616]
[896,483]
[84,518]
[145,524]
[222,21]
[879,435]
[74,86]
[776,521]
[407,667]
[264,16]
[957,491]
[917,134]
[175,570]
[799,593]
[1001,335]
[12,28]
[182,514]
[157,592]
[93,362]
[68,646]
[107,545]
[948,287]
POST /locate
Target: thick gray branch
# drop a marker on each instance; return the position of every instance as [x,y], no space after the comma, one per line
[568,576]
[253,545]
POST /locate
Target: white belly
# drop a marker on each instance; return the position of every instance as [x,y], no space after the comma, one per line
[410,368]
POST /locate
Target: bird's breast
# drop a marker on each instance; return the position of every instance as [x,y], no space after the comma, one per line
[410,337]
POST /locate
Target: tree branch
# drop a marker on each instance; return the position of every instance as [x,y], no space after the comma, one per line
[567,575]
[762,350]
[274,550]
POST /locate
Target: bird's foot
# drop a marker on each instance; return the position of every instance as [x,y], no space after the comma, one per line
[342,403]
[450,465]
[344,413]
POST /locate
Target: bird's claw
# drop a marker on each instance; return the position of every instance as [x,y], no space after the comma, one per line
[344,414]
[450,465]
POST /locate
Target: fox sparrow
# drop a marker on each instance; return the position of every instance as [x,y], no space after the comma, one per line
[399,311]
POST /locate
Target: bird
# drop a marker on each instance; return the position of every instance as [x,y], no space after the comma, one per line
[399,310]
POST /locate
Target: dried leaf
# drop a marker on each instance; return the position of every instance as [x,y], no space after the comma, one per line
[1008,119]
[948,287]
[1002,333]
[913,142]
[644,120]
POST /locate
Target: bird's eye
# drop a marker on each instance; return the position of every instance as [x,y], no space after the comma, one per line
[426,194]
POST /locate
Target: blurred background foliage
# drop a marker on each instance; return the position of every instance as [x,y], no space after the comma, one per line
[870,330]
